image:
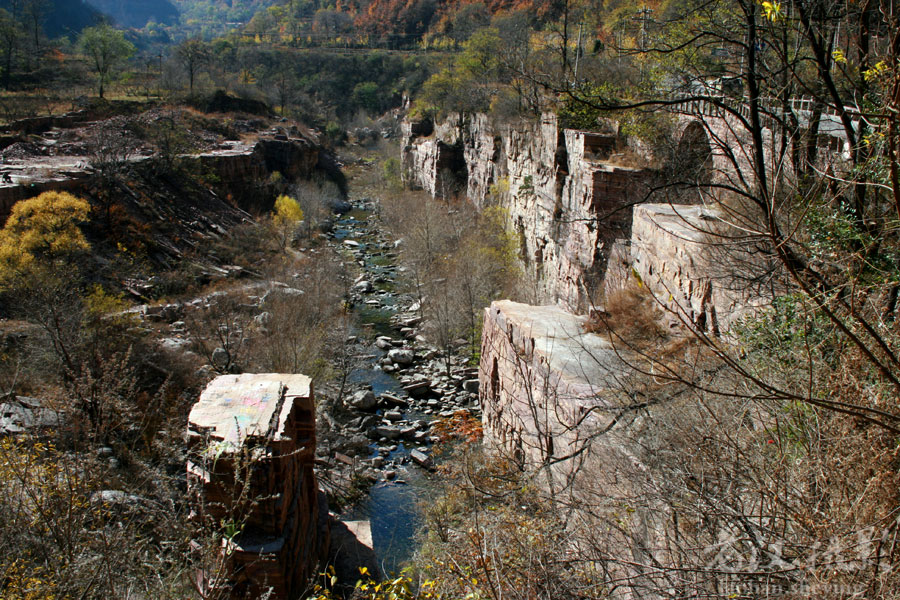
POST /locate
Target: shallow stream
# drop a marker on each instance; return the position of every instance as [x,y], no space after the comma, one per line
[392,506]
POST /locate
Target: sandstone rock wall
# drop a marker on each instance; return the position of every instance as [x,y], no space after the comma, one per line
[242,169]
[554,399]
[240,172]
[252,445]
[698,265]
[543,383]
[565,199]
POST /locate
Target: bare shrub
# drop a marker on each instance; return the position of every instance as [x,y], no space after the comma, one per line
[304,319]
[630,314]
[491,534]
[66,533]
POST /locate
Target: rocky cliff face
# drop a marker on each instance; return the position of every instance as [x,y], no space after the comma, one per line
[566,198]
[552,399]
[540,379]
[678,253]
[164,207]
[243,169]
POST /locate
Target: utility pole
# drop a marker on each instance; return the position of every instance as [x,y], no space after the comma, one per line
[159,80]
[643,16]
[578,52]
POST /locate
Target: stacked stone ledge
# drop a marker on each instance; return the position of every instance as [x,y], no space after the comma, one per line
[251,440]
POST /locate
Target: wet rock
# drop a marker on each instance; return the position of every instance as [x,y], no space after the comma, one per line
[401,356]
[363,400]
[339,206]
[410,321]
[418,389]
[392,400]
[384,342]
[343,458]
[421,459]
[393,415]
[368,421]
[387,431]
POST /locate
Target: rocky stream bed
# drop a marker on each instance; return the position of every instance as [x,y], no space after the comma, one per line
[380,433]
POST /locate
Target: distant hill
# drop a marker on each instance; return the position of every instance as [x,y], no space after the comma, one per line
[64,17]
[136,13]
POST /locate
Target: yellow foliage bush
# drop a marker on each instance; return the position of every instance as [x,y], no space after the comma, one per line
[44,227]
[287,210]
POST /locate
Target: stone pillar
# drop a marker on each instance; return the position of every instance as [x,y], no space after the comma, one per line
[252,446]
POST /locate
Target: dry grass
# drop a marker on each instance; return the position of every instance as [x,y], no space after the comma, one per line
[631,315]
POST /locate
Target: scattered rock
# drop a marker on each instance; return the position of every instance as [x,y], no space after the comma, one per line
[363,287]
[21,414]
[389,432]
[421,459]
[115,498]
[220,358]
[418,389]
[393,400]
[363,400]
[471,386]
[401,356]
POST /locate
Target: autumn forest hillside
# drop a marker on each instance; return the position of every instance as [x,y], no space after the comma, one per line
[413,202]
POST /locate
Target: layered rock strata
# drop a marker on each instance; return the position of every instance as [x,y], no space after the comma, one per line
[252,443]
[698,265]
[545,386]
[567,198]
[240,171]
[555,399]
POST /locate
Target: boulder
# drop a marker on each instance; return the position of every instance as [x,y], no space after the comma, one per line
[387,431]
[220,358]
[393,415]
[392,400]
[421,459]
[401,356]
[418,389]
[471,386]
[363,400]
[363,287]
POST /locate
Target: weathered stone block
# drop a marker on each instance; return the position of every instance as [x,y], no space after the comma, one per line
[252,442]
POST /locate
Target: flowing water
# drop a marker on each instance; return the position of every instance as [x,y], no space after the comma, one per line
[392,507]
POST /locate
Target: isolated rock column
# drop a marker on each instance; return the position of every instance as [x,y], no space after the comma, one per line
[252,445]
